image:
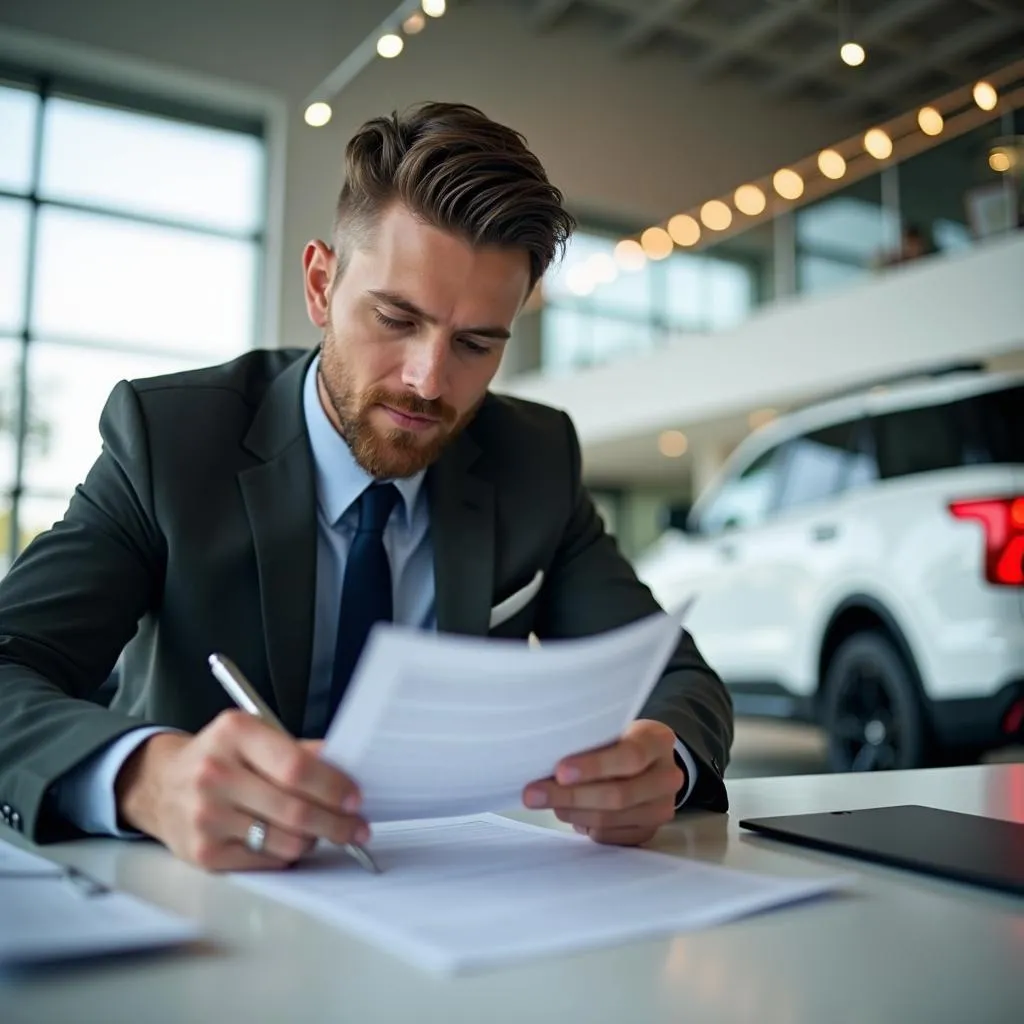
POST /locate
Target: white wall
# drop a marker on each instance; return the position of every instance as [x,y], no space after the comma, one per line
[633,139]
[969,306]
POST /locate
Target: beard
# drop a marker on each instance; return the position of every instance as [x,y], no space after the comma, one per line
[393,453]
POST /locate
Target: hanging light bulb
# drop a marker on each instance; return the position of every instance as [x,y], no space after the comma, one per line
[433,8]
[852,54]
[390,45]
[850,51]
[317,114]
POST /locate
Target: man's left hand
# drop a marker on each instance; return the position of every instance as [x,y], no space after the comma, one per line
[620,794]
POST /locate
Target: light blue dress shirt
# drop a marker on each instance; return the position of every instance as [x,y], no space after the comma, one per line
[85,796]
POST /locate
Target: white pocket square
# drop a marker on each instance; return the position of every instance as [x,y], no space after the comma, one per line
[504,610]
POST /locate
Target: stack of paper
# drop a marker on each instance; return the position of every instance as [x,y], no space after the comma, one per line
[473,892]
[46,914]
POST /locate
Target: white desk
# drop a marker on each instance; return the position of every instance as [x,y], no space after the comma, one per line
[901,948]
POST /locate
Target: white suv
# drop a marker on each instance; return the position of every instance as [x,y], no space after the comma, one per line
[860,563]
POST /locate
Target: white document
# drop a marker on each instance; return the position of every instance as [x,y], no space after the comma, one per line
[44,916]
[14,860]
[467,893]
[435,725]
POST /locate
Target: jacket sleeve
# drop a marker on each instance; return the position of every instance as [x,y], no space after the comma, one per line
[592,588]
[68,607]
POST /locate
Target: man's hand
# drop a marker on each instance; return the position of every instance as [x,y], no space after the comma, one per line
[619,794]
[199,794]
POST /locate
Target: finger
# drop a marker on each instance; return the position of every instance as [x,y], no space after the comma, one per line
[257,798]
[290,765]
[279,844]
[653,814]
[609,795]
[628,757]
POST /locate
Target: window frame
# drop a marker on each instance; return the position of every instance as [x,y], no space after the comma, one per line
[140,101]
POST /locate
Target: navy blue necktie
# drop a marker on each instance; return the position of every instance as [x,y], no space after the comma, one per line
[366,590]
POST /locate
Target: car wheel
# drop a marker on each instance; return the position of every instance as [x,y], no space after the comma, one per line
[872,713]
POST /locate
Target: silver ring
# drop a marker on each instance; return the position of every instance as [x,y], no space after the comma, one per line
[256,837]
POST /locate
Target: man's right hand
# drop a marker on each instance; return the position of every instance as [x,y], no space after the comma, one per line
[199,794]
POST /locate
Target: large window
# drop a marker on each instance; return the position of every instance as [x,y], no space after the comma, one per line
[131,240]
[595,312]
[843,236]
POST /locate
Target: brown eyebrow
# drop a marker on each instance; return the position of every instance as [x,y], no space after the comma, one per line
[398,302]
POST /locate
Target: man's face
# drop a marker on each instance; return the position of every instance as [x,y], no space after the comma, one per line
[414,329]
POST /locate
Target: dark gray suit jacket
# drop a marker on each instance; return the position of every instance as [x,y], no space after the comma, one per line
[195,531]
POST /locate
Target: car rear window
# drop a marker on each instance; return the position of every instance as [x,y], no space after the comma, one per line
[999,417]
[980,430]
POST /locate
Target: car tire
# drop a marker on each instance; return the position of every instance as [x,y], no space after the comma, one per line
[872,712]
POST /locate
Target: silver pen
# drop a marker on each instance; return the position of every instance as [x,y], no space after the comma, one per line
[244,694]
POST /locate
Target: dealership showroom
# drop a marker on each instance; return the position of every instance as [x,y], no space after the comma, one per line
[365,364]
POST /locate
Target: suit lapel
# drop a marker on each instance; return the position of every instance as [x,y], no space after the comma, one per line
[462,532]
[280,499]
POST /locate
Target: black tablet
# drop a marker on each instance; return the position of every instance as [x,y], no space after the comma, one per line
[966,847]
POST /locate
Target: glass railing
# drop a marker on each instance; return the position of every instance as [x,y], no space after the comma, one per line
[936,180]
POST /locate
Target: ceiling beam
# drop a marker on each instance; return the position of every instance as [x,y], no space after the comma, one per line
[979,34]
[742,39]
[880,24]
[645,26]
[547,13]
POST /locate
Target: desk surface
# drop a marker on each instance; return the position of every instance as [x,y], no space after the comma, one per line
[900,947]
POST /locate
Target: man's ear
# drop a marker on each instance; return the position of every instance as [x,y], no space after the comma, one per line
[318,267]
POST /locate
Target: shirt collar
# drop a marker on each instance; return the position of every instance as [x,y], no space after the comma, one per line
[339,478]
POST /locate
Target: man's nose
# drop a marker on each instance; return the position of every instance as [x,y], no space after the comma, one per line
[426,366]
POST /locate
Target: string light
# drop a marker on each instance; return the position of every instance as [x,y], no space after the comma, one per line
[630,255]
[878,144]
[749,199]
[684,230]
[930,121]
[414,24]
[788,183]
[716,215]
[986,96]
[657,243]
[831,164]
[433,8]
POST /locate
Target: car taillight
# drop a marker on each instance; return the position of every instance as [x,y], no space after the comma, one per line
[1003,520]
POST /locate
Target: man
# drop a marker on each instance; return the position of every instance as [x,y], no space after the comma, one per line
[273,508]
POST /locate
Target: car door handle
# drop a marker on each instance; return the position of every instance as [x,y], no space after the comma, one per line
[825,532]
[727,551]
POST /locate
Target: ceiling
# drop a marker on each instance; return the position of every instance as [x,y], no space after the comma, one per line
[916,49]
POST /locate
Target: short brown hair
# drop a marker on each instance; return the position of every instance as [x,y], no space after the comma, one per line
[459,171]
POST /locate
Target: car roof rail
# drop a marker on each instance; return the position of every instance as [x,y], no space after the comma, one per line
[919,373]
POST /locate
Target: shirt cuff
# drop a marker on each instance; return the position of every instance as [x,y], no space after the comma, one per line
[85,795]
[688,763]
